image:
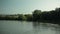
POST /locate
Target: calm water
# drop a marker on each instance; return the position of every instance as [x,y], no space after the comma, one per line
[23,27]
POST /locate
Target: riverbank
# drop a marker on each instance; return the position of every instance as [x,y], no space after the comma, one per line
[42,21]
[52,16]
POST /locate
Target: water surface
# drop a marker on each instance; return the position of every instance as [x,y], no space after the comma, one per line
[24,27]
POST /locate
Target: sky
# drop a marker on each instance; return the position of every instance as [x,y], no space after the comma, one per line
[27,6]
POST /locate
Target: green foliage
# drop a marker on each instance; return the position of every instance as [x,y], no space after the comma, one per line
[53,15]
[28,17]
[36,15]
[21,17]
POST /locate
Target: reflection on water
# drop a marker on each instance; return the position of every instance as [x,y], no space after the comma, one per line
[41,28]
[23,27]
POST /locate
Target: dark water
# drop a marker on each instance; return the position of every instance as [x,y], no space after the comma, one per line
[23,27]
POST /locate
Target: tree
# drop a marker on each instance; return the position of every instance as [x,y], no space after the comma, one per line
[21,17]
[36,15]
[28,17]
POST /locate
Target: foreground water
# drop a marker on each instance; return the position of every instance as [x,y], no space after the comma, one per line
[23,27]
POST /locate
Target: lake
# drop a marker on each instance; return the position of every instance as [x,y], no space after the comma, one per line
[24,27]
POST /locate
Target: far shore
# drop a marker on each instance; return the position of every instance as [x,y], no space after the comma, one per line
[52,16]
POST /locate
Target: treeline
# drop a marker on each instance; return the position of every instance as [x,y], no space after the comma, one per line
[52,15]
[37,15]
[47,16]
[27,17]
